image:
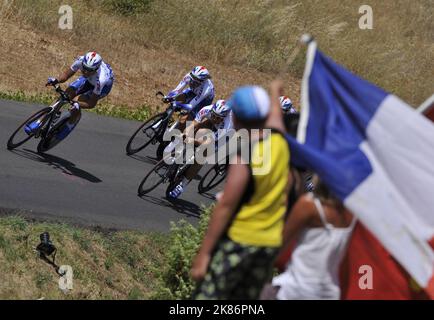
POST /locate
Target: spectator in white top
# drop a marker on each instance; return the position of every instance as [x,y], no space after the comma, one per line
[322,228]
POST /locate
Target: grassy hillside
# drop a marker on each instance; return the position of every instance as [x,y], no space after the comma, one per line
[106,265]
[37,48]
[152,43]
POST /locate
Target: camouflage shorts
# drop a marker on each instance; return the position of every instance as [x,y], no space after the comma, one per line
[237,272]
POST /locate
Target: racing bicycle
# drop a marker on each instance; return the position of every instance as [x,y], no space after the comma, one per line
[51,120]
[168,170]
[152,130]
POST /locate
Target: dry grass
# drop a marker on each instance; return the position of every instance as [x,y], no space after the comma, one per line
[241,41]
[140,69]
[398,54]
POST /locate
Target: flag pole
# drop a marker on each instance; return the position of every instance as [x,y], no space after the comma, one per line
[306,39]
[309,41]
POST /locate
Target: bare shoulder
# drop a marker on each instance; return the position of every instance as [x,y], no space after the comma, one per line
[306,200]
[305,205]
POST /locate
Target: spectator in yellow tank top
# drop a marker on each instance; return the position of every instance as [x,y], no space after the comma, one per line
[245,230]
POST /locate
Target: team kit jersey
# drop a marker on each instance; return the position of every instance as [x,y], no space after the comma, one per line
[103,78]
[220,129]
[204,93]
[292,110]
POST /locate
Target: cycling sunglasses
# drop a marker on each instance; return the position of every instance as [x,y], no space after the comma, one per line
[88,69]
[195,80]
[195,83]
[215,116]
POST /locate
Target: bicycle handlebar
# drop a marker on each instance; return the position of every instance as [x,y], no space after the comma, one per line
[62,93]
[173,103]
[182,106]
[167,98]
[159,93]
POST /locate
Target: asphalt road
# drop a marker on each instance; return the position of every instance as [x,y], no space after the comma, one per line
[87,179]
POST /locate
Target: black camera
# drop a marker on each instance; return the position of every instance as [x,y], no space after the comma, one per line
[46,247]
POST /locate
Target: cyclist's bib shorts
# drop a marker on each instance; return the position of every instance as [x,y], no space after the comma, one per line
[82,86]
[190,95]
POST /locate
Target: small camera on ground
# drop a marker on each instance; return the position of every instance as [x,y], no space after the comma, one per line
[46,247]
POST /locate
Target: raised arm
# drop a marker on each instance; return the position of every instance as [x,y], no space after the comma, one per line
[275,118]
[181,85]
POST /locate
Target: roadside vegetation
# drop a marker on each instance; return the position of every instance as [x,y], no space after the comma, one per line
[119,111]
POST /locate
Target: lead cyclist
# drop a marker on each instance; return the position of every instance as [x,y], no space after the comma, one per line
[95,83]
[216,117]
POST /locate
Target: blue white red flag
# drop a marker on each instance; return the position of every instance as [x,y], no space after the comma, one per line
[375,153]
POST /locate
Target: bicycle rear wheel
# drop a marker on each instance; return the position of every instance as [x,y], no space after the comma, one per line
[213,177]
[19,137]
[148,132]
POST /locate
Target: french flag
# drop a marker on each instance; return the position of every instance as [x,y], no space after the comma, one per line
[427,108]
[375,153]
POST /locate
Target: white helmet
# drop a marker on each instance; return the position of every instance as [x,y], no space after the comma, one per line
[286,104]
[200,74]
[220,108]
[92,61]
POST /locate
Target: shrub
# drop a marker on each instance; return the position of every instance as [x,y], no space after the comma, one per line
[184,243]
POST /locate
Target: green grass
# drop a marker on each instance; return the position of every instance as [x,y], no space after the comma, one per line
[139,113]
[183,243]
[106,264]
[22,96]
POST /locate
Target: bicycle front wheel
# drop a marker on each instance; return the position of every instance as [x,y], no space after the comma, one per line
[52,139]
[155,177]
[19,137]
[212,178]
[146,133]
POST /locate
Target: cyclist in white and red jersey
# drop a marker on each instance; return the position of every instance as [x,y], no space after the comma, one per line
[219,114]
